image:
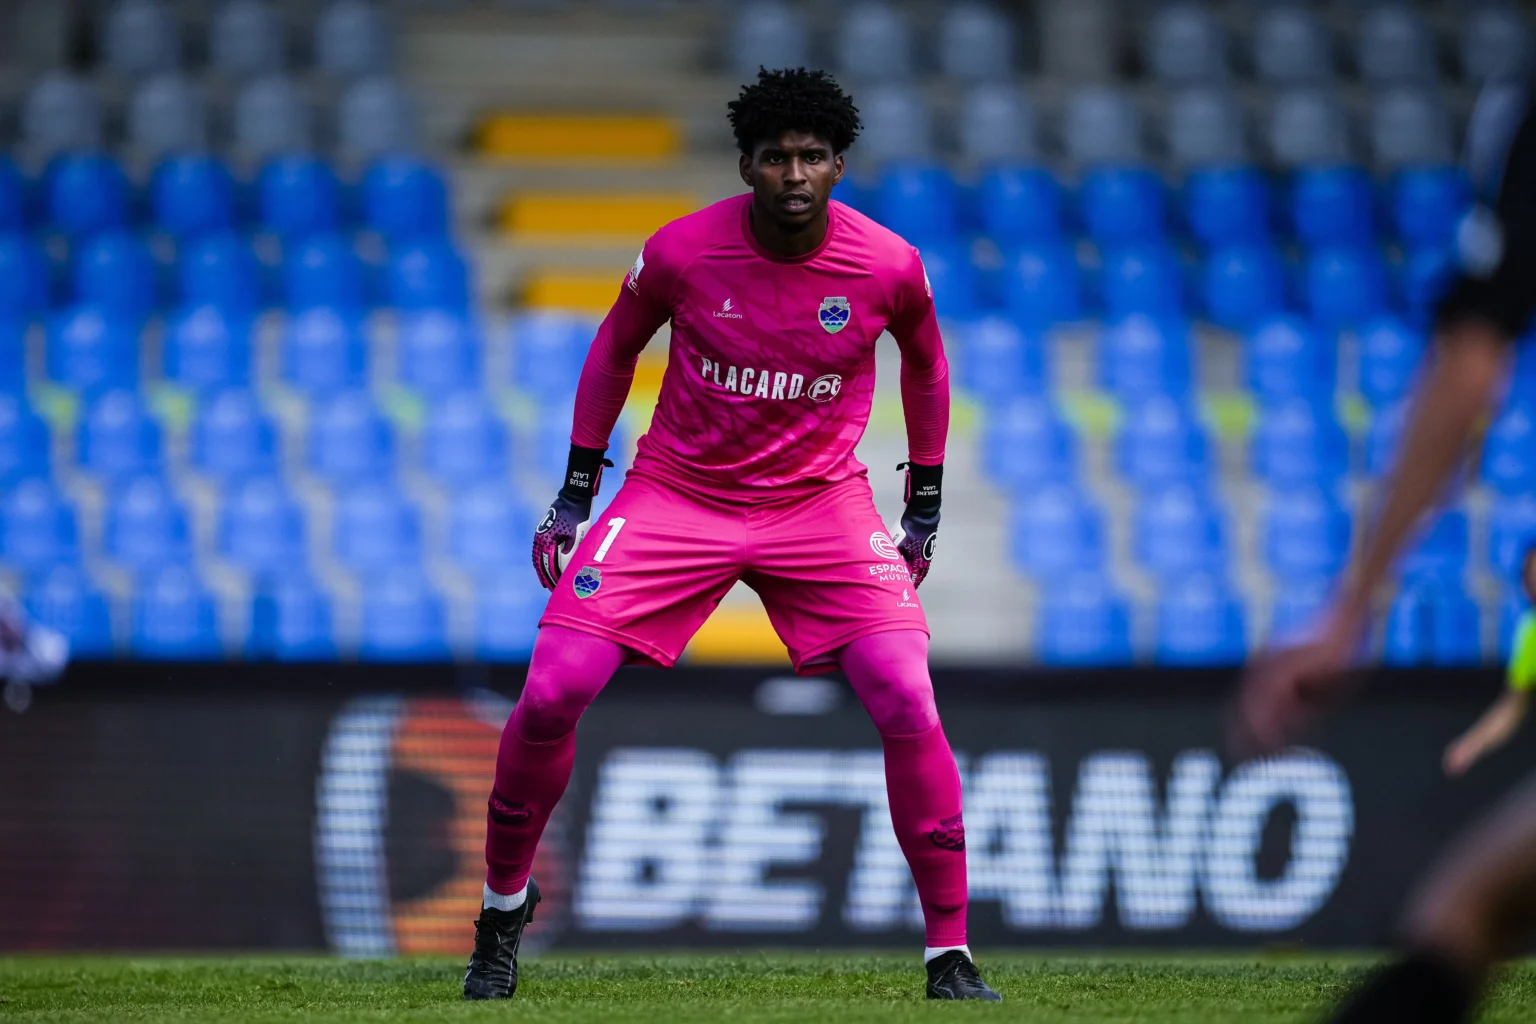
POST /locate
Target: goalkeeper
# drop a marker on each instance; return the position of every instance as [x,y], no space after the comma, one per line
[1499,722]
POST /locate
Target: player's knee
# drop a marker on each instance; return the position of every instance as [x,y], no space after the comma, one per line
[557,691]
[903,705]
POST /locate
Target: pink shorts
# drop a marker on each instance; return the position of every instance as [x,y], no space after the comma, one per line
[656,563]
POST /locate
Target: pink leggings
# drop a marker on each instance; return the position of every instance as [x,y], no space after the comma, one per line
[889,674]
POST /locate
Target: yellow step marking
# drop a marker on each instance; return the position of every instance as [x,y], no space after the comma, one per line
[579,137]
[582,218]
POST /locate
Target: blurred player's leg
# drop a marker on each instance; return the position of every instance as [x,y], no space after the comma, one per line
[1475,909]
[889,673]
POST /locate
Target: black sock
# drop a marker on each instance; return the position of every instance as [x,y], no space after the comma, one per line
[1418,989]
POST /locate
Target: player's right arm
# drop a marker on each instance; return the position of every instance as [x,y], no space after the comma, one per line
[1488,306]
[643,305]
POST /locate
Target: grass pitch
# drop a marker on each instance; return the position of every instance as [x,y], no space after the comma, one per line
[571,989]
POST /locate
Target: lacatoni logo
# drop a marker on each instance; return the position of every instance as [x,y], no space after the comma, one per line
[825,388]
[679,838]
[633,281]
[774,385]
[725,312]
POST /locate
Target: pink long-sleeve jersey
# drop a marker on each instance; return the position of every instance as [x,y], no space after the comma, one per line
[772,367]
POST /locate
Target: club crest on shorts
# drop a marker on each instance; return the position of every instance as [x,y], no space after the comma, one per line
[834,313]
[587,581]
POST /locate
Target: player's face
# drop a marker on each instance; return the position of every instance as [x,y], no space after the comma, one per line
[792,177]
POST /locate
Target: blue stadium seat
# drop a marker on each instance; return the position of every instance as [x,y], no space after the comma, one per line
[1161,442]
[207,348]
[1427,203]
[1381,438]
[1346,285]
[1299,607]
[1390,354]
[232,437]
[1412,127]
[352,38]
[918,201]
[1333,206]
[261,526]
[87,193]
[272,119]
[1425,275]
[245,38]
[114,271]
[1141,355]
[1143,277]
[464,441]
[1123,204]
[489,527]
[375,530]
[1206,127]
[193,194]
[405,197]
[1083,621]
[146,525]
[507,610]
[997,125]
[23,440]
[297,196]
[1441,550]
[1101,125]
[975,43]
[403,619]
[1001,361]
[60,114]
[874,43]
[291,620]
[1511,532]
[428,273]
[23,277]
[117,438]
[1298,442]
[952,278]
[37,526]
[548,349]
[218,269]
[1186,43]
[1241,283]
[174,617]
[1200,621]
[898,125]
[1395,44]
[64,598]
[376,117]
[13,356]
[1292,45]
[323,270]
[1056,531]
[1432,622]
[1030,443]
[13,196]
[1228,205]
[166,115]
[1509,449]
[1019,205]
[1043,285]
[438,351]
[91,351]
[349,441]
[1496,43]
[324,351]
[769,34]
[1305,533]
[1285,357]
[1179,530]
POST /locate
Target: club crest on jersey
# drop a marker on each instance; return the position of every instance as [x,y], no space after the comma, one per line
[834,313]
[587,581]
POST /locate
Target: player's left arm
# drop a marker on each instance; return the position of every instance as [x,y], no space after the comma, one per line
[925,403]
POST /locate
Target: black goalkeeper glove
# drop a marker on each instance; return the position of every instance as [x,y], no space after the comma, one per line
[918,531]
[565,523]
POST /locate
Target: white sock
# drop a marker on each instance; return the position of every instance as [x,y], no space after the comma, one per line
[496,901]
[929,952]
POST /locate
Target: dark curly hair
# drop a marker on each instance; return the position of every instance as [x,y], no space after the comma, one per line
[793,99]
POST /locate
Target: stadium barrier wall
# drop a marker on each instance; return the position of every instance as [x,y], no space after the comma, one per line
[342,807]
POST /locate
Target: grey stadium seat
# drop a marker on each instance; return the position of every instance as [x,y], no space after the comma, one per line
[272,117]
[167,115]
[60,113]
[1186,44]
[1292,46]
[1207,125]
[1102,124]
[975,43]
[245,39]
[1309,126]
[1496,44]
[997,123]
[897,126]
[352,39]
[140,37]
[769,34]
[875,43]
[1395,45]
[376,117]
[1411,126]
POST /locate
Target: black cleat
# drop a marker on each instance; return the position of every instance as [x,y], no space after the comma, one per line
[492,971]
[952,976]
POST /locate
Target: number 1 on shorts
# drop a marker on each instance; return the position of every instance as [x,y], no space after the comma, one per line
[614,526]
